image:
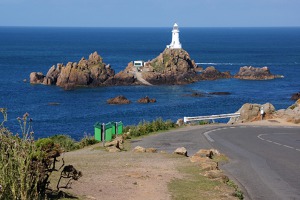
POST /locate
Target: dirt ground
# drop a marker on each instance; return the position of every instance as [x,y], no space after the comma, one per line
[123,175]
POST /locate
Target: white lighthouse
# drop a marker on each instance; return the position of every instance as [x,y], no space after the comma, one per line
[175,44]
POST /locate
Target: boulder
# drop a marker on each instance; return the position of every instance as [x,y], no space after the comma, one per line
[181,151]
[211,73]
[180,122]
[118,100]
[139,149]
[255,73]
[146,100]
[251,112]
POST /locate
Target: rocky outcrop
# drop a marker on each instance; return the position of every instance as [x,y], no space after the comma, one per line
[295,96]
[146,100]
[291,114]
[91,72]
[118,100]
[211,73]
[251,112]
[172,66]
[255,73]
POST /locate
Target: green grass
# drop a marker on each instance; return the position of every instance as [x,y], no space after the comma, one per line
[193,186]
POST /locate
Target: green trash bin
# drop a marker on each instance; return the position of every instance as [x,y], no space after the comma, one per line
[119,127]
[113,129]
[108,131]
[98,130]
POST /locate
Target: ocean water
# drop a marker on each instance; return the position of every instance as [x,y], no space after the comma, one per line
[27,49]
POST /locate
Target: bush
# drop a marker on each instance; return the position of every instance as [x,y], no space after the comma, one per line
[145,127]
[26,165]
[87,141]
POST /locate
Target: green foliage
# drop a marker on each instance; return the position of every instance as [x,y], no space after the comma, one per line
[65,142]
[19,166]
[26,165]
[157,66]
[145,127]
[87,141]
[238,193]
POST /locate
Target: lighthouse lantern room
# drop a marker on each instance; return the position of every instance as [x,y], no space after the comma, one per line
[175,44]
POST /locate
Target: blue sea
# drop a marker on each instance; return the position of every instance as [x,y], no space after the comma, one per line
[28,49]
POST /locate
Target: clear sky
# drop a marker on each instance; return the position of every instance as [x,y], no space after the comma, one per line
[150,13]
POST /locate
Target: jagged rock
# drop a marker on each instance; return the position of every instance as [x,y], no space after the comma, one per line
[211,73]
[181,151]
[295,96]
[291,114]
[139,149]
[251,112]
[180,122]
[118,100]
[255,73]
[91,72]
[146,100]
[36,77]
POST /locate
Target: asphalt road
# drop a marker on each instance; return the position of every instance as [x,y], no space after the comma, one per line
[264,160]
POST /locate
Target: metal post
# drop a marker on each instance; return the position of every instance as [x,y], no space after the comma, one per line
[103,134]
[262,112]
[116,129]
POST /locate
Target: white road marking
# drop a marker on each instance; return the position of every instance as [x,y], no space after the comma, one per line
[260,137]
[208,137]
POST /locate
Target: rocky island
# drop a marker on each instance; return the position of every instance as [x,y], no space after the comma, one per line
[172,67]
[255,73]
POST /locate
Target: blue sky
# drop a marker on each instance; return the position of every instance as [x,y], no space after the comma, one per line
[150,13]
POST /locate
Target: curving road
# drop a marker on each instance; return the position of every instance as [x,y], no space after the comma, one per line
[264,160]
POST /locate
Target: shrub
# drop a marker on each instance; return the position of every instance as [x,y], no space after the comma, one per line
[145,127]
[87,141]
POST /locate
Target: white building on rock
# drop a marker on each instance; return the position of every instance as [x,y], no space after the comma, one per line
[175,44]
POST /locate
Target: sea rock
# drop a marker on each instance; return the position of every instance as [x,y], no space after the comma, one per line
[181,151]
[118,100]
[146,100]
[251,112]
[295,96]
[36,77]
[255,73]
[211,73]
[91,72]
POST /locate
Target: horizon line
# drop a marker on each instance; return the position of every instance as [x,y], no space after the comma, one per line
[13,26]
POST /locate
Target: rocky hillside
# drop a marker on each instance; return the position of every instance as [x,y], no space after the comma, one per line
[91,72]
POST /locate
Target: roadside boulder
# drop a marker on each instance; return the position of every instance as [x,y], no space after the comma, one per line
[251,112]
[139,149]
[181,151]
